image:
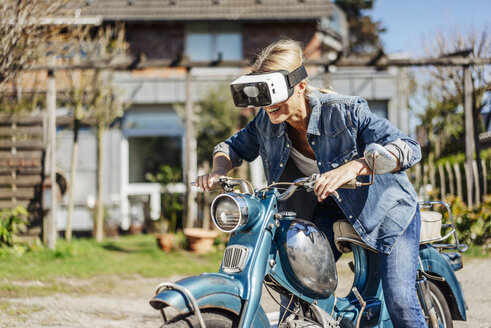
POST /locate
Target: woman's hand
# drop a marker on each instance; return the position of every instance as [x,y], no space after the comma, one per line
[221,165]
[206,181]
[329,181]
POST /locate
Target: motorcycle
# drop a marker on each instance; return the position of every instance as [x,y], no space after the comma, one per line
[292,257]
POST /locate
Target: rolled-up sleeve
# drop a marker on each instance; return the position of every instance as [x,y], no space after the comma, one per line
[241,146]
[374,129]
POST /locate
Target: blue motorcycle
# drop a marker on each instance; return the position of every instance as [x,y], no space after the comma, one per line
[293,258]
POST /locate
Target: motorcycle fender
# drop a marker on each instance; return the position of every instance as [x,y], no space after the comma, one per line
[211,290]
[452,289]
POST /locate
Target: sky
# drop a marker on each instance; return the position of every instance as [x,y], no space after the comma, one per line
[408,21]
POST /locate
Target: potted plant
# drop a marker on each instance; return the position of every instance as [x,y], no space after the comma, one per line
[200,240]
[171,206]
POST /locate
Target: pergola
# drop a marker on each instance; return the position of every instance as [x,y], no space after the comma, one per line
[379,61]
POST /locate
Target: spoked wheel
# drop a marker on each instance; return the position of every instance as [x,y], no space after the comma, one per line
[441,307]
[212,319]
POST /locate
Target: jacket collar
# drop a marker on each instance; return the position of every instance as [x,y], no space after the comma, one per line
[315,106]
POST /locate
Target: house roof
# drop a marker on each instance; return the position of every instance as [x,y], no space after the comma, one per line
[189,10]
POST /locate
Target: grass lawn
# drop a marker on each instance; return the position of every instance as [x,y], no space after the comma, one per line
[125,256]
[43,272]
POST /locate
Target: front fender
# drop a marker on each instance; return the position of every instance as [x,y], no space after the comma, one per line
[434,263]
[211,291]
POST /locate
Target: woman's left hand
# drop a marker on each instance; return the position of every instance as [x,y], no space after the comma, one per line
[329,181]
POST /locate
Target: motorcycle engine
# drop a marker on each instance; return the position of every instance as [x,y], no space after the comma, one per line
[307,260]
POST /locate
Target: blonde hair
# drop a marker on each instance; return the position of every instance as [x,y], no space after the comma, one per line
[284,54]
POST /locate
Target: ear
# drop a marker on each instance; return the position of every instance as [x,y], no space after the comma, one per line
[301,87]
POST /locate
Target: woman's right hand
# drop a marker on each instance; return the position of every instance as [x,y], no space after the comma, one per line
[206,181]
[221,165]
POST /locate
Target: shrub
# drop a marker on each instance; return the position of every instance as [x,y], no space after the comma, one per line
[11,220]
[473,224]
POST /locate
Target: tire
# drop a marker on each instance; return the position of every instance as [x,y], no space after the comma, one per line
[441,306]
[212,319]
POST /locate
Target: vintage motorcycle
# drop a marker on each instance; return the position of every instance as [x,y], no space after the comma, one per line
[292,257]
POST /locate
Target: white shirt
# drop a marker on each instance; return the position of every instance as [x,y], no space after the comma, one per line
[306,165]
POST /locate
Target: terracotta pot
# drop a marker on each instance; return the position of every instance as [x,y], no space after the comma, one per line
[165,241]
[200,240]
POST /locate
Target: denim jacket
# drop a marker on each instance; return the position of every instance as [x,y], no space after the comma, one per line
[339,129]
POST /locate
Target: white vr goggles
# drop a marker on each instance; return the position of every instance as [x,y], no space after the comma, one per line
[265,89]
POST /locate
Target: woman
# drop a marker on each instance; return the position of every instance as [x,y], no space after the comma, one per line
[317,131]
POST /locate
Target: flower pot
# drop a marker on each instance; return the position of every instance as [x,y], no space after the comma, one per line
[200,240]
[165,241]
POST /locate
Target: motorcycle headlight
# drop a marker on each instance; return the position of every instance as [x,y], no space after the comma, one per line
[229,212]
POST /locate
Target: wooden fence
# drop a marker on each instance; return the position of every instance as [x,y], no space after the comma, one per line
[445,179]
[22,144]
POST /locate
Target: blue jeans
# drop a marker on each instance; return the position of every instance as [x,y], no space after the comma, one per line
[399,278]
[398,270]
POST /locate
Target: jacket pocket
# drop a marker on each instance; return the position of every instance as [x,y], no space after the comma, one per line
[335,121]
[346,156]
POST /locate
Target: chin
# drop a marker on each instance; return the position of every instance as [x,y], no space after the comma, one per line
[276,120]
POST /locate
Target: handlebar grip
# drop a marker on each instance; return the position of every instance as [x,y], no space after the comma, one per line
[353,184]
[216,185]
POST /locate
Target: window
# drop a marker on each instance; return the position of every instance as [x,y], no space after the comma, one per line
[147,154]
[154,137]
[379,107]
[209,41]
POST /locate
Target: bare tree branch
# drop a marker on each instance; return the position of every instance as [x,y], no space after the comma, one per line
[23,36]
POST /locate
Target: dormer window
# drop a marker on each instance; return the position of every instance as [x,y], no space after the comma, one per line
[213,41]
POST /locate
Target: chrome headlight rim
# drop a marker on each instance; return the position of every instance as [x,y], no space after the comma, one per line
[242,206]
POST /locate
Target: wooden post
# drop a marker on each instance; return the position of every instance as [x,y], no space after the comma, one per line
[485,176]
[425,182]
[432,173]
[470,146]
[475,175]
[441,173]
[51,108]
[190,156]
[468,181]
[417,181]
[450,179]
[458,179]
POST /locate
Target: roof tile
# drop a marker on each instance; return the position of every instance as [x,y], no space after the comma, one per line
[185,10]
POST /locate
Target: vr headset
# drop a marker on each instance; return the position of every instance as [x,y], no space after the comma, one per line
[265,89]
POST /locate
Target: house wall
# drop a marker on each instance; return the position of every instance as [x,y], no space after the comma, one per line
[86,176]
[156,40]
[167,40]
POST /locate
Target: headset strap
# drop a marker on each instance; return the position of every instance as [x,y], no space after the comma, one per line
[296,76]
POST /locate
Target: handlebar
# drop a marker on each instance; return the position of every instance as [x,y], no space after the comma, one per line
[228,184]
[308,183]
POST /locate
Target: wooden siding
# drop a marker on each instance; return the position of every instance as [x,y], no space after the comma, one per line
[22,144]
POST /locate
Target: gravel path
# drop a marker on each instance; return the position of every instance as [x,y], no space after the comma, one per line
[126,305]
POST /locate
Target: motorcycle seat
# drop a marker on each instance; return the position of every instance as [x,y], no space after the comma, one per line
[345,234]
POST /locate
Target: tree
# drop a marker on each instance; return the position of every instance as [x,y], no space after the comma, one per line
[108,104]
[448,79]
[363,31]
[218,120]
[445,85]
[443,123]
[82,94]
[24,36]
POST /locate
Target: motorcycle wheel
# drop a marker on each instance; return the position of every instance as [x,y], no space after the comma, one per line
[212,319]
[441,306]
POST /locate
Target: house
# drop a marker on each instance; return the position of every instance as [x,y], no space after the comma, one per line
[209,32]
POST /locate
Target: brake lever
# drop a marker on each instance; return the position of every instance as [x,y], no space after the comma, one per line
[309,186]
[221,183]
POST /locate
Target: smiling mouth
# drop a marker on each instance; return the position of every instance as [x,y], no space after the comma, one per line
[272,110]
